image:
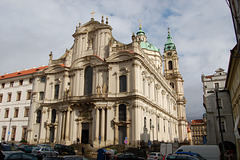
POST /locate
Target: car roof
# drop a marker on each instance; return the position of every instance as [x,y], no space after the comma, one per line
[190,153]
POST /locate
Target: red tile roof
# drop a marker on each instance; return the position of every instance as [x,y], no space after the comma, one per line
[21,73]
[197,121]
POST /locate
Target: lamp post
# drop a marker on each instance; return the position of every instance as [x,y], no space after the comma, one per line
[219,122]
[9,128]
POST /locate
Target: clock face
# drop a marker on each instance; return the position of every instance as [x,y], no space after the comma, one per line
[169,53]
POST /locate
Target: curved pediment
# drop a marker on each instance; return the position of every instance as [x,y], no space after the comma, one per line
[121,56]
[84,61]
[55,68]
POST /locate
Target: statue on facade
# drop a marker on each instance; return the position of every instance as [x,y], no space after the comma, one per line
[98,89]
[104,88]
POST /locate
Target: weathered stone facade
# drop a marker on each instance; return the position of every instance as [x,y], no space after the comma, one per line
[102,91]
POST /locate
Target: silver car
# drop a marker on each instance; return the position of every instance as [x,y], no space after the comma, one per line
[44,152]
[154,156]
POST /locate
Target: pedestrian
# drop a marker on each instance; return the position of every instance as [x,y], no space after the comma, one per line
[78,140]
[83,150]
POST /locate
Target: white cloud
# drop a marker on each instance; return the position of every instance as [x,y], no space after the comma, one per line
[202,31]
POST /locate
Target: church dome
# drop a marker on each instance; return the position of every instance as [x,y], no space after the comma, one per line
[148,46]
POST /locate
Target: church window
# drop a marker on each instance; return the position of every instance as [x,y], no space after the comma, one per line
[170,67]
[150,124]
[88,80]
[54,112]
[145,122]
[56,91]
[43,79]
[123,83]
[39,116]
[172,84]
[41,95]
[122,112]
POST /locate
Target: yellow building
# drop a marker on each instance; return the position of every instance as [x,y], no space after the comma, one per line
[198,128]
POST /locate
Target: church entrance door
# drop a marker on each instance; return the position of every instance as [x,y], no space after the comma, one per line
[122,132]
[51,138]
[85,133]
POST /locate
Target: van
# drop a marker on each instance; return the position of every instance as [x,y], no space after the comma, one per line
[209,152]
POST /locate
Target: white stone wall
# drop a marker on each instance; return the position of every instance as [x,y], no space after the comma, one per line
[20,121]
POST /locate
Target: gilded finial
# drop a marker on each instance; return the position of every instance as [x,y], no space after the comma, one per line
[102,19]
[106,20]
[140,25]
[168,30]
[92,14]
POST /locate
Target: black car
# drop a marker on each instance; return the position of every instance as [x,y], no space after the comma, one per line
[127,156]
[19,155]
[64,149]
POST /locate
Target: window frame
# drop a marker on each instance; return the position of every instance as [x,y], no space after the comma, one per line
[123,83]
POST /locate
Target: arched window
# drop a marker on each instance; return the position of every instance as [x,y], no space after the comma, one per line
[150,124]
[54,112]
[170,67]
[122,112]
[56,91]
[172,84]
[39,116]
[145,122]
[123,83]
[88,80]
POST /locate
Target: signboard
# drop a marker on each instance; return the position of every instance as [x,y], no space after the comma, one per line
[125,141]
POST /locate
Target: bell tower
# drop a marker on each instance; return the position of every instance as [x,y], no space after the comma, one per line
[172,74]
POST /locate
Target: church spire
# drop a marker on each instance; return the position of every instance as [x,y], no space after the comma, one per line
[140,31]
[169,45]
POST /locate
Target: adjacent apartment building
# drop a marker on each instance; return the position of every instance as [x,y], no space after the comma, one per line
[15,101]
[233,77]
[216,101]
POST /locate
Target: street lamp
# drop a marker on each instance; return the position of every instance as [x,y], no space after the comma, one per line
[219,120]
[9,129]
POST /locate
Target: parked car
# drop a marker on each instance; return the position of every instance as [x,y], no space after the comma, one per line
[191,154]
[179,157]
[68,157]
[21,146]
[154,155]
[43,152]
[28,148]
[127,156]
[206,151]
[44,145]
[64,149]
[5,147]
[18,155]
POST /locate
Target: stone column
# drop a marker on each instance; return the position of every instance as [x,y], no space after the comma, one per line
[59,128]
[47,133]
[97,125]
[116,134]
[103,126]
[77,87]
[67,125]
[64,125]
[55,133]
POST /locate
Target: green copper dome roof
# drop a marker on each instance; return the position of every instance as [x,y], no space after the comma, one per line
[149,46]
[169,45]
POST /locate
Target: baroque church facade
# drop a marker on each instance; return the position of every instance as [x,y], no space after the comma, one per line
[102,92]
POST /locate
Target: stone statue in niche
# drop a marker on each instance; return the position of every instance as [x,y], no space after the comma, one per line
[98,89]
[104,88]
[90,43]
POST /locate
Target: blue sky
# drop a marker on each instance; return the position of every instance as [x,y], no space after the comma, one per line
[202,31]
